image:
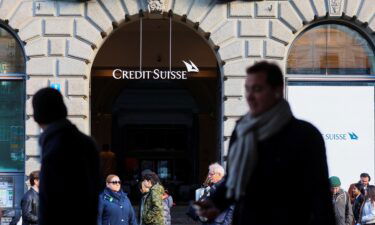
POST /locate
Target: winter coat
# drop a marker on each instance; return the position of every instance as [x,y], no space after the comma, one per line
[342,208]
[152,207]
[69,177]
[368,213]
[30,207]
[167,205]
[115,209]
[295,152]
[358,201]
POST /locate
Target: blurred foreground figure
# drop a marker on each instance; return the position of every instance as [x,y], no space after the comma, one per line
[277,170]
[69,177]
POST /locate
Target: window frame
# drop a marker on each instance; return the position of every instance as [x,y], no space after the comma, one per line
[320,77]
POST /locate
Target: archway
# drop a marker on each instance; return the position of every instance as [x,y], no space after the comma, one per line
[171,126]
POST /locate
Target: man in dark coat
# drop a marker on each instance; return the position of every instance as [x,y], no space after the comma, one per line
[69,178]
[30,201]
[277,170]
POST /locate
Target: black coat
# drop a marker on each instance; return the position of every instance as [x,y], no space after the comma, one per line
[358,201]
[30,207]
[289,185]
[69,177]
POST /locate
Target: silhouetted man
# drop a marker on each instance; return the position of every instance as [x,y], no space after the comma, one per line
[69,178]
[277,170]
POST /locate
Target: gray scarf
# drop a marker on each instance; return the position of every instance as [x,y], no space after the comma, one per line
[243,152]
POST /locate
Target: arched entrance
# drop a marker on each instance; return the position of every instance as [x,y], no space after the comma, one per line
[170,126]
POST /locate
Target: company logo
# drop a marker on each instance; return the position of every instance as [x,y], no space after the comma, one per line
[156,74]
[191,67]
[353,136]
[341,136]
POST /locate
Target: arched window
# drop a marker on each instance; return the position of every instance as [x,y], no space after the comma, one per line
[12,104]
[331,49]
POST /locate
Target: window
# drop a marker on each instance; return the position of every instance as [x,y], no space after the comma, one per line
[12,104]
[331,49]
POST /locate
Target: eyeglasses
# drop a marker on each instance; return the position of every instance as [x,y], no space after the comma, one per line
[115,182]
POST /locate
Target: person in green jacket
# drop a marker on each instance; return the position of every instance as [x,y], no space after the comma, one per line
[152,211]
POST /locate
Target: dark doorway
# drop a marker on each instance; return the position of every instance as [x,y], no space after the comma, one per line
[171,127]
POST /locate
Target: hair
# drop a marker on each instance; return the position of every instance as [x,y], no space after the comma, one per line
[216,168]
[371,193]
[272,71]
[365,175]
[151,177]
[33,176]
[110,177]
[351,194]
[48,105]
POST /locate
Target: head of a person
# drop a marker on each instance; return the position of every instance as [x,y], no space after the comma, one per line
[215,172]
[264,87]
[48,106]
[335,184]
[113,182]
[149,180]
[34,178]
[365,178]
[370,193]
[358,189]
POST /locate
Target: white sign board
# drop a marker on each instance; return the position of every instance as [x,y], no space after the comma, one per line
[345,117]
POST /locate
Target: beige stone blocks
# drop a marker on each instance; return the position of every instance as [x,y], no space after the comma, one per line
[290,16]
[226,32]
[41,66]
[241,9]
[253,28]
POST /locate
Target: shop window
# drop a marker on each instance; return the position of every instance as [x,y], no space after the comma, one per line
[331,49]
[12,124]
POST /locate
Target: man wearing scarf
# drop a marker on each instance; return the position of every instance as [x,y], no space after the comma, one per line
[276,170]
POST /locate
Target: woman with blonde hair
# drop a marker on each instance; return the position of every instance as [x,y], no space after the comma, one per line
[114,206]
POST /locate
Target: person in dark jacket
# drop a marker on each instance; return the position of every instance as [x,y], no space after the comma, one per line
[30,201]
[114,206]
[358,193]
[341,203]
[269,144]
[67,157]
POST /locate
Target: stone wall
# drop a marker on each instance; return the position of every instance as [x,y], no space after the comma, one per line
[61,41]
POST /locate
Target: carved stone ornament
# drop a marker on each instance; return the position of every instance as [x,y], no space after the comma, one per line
[155,6]
[335,7]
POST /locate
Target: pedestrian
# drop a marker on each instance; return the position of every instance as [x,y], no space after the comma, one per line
[152,211]
[30,201]
[341,203]
[114,206]
[69,177]
[368,210]
[365,180]
[358,193]
[167,205]
[270,146]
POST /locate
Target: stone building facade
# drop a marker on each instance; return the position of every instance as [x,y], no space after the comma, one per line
[61,39]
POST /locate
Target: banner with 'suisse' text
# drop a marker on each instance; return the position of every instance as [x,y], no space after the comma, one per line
[345,117]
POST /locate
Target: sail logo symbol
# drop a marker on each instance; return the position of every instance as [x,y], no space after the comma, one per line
[190,66]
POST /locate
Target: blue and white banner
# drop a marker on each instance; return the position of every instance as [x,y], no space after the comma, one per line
[345,117]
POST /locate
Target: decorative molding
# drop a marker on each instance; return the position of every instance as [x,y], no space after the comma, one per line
[156,6]
[335,7]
